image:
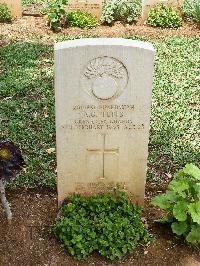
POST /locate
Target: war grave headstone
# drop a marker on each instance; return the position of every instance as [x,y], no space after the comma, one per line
[15,6]
[147,4]
[103,100]
[91,6]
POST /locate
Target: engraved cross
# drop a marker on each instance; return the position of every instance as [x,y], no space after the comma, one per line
[103,152]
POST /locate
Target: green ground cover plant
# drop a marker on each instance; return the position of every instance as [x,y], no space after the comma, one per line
[81,19]
[164,16]
[5,13]
[175,108]
[62,37]
[107,223]
[191,9]
[27,107]
[32,2]
[122,10]
[182,204]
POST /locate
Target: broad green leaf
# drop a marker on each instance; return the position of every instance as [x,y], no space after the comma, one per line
[180,174]
[197,189]
[172,196]
[179,186]
[194,210]
[179,228]
[180,211]
[192,170]
[161,201]
[71,251]
[124,249]
[194,235]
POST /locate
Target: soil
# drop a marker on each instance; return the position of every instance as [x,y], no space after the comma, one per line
[27,240]
[31,27]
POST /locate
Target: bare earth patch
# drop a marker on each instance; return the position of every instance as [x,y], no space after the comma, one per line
[28,27]
[27,241]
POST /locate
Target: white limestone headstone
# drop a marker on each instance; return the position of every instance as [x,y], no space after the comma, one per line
[147,4]
[15,6]
[103,101]
[91,6]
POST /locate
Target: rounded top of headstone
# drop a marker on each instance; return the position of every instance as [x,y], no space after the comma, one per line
[104,42]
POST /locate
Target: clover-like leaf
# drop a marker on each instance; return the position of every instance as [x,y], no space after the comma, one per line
[194,235]
[179,228]
[194,210]
[171,196]
[180,174]
[180,211]
[192,170]
[197,189]
[179,186]
[161,201]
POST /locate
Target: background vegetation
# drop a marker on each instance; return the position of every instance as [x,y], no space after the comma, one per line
[191,9]
[164,16]
[121,10]
[5,13]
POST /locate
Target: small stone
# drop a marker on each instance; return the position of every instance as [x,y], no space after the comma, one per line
[51,150]
[168,175]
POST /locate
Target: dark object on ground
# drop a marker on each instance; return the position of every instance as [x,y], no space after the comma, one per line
[11,162]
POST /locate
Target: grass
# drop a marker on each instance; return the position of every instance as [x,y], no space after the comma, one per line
[61,38]
[31,2]
[27,107]
[174,134]
[191,9]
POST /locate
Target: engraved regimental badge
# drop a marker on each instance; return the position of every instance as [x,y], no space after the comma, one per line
[104,78]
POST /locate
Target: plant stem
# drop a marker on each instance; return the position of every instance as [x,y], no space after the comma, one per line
[4,200]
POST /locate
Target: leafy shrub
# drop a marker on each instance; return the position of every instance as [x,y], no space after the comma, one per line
[5,13]
[122,10]
[81,19]
[107,223]
[191,9]
[164,16]
[182,203]
[56,13]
